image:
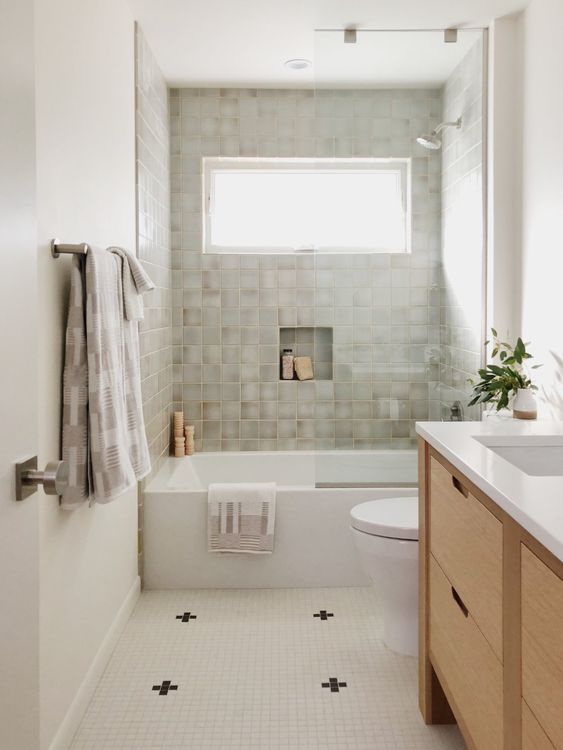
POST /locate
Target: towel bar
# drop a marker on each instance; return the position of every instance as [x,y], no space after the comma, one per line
[54,478]
[57,247]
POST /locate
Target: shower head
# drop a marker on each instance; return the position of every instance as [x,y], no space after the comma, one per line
[431,140]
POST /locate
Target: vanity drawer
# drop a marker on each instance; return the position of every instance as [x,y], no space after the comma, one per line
[533,736]
[542,645]
[467,663]
[466,539]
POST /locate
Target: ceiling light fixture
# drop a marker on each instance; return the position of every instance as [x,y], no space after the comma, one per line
[297,63]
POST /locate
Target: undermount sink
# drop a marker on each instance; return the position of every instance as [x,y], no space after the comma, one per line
[538,455]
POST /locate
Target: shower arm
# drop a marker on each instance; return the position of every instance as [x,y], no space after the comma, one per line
[442,125]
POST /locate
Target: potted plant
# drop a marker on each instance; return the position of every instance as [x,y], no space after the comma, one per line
[507,383]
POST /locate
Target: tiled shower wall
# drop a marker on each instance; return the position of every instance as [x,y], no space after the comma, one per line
[384,309]
[154,250]
[462,233]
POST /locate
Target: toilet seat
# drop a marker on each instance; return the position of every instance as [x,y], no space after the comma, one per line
[392,518]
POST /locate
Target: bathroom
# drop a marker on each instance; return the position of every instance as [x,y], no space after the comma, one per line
[208,140]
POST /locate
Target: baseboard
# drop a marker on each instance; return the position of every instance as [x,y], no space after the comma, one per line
[78,707]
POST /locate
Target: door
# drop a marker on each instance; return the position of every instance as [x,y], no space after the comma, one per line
[19,572]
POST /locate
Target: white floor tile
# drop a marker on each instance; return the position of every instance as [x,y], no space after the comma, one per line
[249,671]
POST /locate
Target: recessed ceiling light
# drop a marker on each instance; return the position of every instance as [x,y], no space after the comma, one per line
[298,63]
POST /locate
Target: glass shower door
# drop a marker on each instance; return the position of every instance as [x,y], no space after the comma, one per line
[398,319]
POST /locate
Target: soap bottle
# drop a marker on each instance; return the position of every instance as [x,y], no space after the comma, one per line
[287,364]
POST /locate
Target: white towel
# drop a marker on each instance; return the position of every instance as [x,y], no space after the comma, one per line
[241,517]
[104,439]
[134,282]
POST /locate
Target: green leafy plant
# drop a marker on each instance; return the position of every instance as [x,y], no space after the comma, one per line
[500,381]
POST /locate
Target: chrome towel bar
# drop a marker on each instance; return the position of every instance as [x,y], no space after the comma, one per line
[58,248]
[54,478]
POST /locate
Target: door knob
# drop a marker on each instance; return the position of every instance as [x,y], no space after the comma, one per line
[54,478]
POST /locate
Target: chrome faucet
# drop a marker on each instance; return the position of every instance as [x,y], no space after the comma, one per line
[456,412]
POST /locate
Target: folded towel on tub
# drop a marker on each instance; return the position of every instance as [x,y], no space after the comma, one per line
[241,517]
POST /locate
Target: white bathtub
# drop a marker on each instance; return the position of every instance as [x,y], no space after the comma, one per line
[313,544]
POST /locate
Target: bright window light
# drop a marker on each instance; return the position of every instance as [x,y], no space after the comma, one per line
[285,206]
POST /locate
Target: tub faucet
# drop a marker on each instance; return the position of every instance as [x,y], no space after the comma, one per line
[456,412]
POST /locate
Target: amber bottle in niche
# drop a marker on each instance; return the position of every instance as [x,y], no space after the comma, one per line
[287,364]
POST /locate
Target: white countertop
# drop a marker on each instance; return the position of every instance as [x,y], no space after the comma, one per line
[535,502]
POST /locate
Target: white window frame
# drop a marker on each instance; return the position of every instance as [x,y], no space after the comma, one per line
[242,164]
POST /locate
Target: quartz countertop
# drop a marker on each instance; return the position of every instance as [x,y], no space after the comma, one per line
[535,502]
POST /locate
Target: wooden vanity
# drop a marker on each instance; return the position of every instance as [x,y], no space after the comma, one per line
[491,617]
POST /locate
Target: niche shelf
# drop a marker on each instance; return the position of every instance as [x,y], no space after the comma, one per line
[310,341]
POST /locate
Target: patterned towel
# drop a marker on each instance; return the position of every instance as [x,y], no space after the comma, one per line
[104,439]
[241,517]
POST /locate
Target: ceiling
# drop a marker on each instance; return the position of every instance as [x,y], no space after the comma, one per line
[384,59]
[244,43]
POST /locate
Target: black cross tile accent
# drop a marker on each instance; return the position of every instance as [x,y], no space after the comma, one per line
[323,614]
[186,617]
[334,685]
[165,687]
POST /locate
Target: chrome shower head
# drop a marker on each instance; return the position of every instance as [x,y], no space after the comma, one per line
[431,140]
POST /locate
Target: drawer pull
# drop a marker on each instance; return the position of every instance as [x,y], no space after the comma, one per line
[459,602]
[459,487]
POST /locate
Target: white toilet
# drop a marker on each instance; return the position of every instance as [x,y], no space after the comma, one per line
[386,536]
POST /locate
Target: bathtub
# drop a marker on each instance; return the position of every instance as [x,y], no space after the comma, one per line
[313,543]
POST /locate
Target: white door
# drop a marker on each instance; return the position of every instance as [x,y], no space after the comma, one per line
[19,572]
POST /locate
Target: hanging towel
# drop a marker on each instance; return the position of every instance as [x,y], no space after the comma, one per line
[104,440]
[135,283]
[241,517]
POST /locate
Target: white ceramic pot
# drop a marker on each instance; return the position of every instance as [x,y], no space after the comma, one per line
[524,405]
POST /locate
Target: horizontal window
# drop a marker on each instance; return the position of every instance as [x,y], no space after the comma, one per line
[300,205]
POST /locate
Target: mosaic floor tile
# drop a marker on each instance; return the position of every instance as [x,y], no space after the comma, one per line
[258,672]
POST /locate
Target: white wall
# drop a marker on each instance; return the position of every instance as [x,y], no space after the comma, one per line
[19,611]
[462,231]
[542,195]
[85,192]
[504,168]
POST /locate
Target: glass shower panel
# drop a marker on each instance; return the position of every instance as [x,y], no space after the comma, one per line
[404,321]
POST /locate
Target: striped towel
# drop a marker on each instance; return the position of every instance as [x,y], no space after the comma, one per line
[103,438]
[241,517]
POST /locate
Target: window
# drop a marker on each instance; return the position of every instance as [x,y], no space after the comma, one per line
[293,205]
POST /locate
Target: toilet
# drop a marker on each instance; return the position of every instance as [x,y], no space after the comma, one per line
[386,536]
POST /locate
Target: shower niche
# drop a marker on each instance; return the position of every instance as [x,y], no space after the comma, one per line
[310,341]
